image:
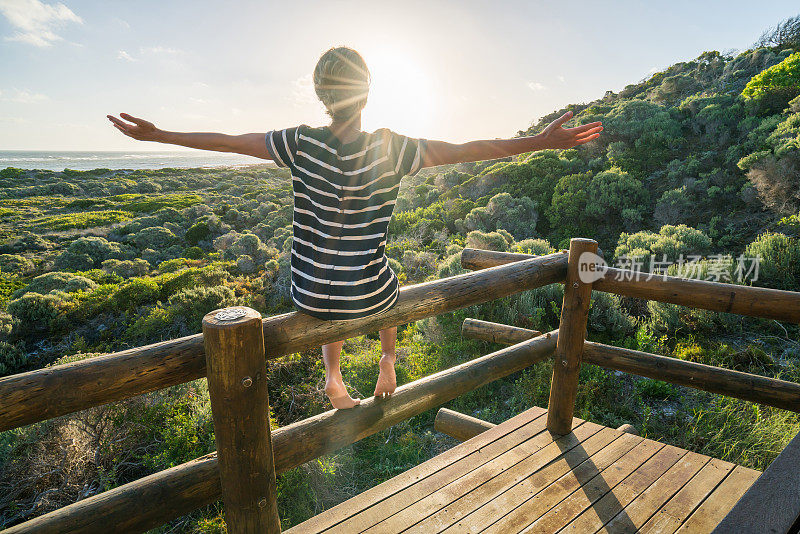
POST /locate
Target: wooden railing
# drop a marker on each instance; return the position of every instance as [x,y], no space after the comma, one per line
[231,353]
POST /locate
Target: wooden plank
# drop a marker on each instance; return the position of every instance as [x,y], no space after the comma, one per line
[613,463]
[715,296]
[237,386]
[648,502]
[597,501]
[463,495]
[422,499]
[478,509]
[46,393]
[294,445]
[571,335]
[682,504]
[718,504]
[772,503]
[485,445]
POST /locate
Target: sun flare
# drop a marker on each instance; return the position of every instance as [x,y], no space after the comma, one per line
[402,94]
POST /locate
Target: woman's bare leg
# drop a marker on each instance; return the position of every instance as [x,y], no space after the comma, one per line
[334,384]
[387,380]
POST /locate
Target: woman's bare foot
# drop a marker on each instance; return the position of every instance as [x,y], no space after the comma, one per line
[387,380]
[337,393]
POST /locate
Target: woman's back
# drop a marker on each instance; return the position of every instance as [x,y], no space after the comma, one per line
[344,195]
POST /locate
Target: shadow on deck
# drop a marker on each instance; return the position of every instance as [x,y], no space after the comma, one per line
[518,477]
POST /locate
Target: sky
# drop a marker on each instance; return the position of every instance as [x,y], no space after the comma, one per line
[449,70]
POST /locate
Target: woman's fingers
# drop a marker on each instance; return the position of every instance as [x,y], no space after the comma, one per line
[564,118]
[587,139]
[584,127]
[116,121]
[123,130]
[135,120]
[593,131]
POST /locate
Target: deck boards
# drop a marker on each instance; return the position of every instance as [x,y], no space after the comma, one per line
[517,477]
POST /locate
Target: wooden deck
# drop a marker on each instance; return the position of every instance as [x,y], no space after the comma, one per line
[516,478]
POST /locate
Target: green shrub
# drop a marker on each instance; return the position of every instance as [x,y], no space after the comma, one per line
[9,285]
[670,242]
[209,275]
[135,292]
[516,215]
[489,240]
[36,312]
[192,304]
[89,252]
[194,253]
[779,264]
[12,358]
[67,282]
[12,172]
[126,268]
[15,263]
[451,266]
[199,231]
[144,203]
[173,265]
[771,89]
[537,247]
[84,219]
[156,237]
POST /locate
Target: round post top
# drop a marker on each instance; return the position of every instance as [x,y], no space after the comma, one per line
[231,316]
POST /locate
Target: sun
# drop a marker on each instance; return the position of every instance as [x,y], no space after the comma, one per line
[401,95]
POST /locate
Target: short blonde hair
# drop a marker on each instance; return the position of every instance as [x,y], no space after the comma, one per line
[341,81]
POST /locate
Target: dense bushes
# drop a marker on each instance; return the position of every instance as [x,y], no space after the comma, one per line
[37,313]
[779,264]
[771,89]
[669,243]
[90,252]
[517,216]
[685,167]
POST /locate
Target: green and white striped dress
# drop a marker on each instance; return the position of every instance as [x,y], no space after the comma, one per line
[344,195]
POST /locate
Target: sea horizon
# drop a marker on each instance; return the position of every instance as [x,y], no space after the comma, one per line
[84,160]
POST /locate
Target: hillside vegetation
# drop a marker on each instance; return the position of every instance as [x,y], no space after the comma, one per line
[702,159]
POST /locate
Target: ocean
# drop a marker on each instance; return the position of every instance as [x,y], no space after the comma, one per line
[84,161]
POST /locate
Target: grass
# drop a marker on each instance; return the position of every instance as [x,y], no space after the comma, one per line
[146,203]
[84,219]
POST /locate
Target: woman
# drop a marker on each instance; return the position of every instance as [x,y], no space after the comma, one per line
[345,184]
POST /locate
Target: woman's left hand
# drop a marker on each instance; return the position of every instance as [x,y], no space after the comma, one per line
[556,136]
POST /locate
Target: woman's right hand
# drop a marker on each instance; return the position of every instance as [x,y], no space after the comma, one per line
[141,130]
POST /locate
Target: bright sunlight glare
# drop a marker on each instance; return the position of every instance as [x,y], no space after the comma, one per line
[402,96]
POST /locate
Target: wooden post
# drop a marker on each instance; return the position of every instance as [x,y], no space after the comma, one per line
[571,335]
[237,383]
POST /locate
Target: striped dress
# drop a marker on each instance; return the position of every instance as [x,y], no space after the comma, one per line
[344,195]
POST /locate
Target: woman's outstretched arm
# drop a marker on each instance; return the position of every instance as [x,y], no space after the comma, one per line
[250,144]
[554,136]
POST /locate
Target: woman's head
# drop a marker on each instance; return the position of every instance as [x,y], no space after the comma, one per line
[341,81]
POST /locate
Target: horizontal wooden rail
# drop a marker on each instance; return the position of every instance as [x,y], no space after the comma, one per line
[160,497]
[743,300]
[485,330]
[46,393]
[458,425]
[746,386]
